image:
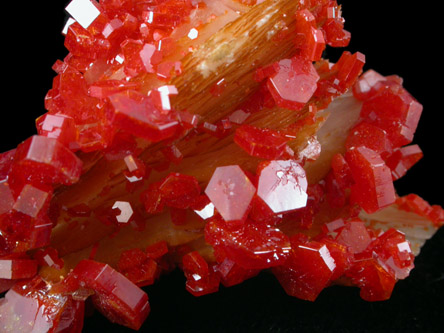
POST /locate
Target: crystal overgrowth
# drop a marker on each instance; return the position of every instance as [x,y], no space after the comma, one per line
[135,171]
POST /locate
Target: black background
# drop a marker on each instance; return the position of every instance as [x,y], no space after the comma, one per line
[397,38]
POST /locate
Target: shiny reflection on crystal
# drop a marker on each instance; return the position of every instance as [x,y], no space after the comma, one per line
[206,212]
[283,185]
[66,26]
[126,212]
[193,34]
[231,192]
[83,11]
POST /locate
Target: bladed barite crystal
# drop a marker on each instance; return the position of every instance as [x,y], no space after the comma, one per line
[186,134]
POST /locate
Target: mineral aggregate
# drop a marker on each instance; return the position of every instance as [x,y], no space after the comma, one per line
[172,140]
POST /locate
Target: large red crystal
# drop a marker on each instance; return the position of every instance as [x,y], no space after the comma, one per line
[231,192]
[394,110]
[293,83]
[282,185]
[115,296]
[373,186]
[307,271]
[43,159]
[136,114]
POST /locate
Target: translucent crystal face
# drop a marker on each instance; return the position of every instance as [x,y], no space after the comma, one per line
[282,185]
[231,192]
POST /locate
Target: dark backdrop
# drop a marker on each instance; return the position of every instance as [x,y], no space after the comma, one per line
[397,38]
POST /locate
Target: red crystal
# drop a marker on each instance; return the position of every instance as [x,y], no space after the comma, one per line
[17,268]
[31,307]
[49,257]
[282,185]
[179,191]
[341,171]
[201,278]
[335,194]
[115,296]
[136,114]
[376,283]
[6,160]
[370,136]
[307,271]
[231,273]
[57,126]
[176,190]
[416,204]
[32,201]
[347,70]
[308,39]
[363,88]
[173,154]
[231,192]
[394,110]
[43,159]
[373,188]
[106,88]
[261,142]
[139,57]
[354,235]
[402,159]
[336,36]
[138,267]
[83,44]
[294,82]
[252,246]
[393,252]
[136,168]
[157,250]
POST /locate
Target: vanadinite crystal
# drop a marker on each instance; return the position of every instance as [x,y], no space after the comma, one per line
[209,136]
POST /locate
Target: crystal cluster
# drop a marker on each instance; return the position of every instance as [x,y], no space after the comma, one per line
[253,209]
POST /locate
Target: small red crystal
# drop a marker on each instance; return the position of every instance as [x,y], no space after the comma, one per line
[261,142]
[201,278]
[354,235]
[57,126]
[402,159]
[252,246]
